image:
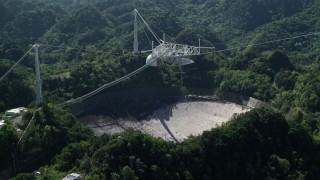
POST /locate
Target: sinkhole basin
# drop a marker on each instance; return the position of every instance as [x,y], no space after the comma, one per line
[171,121]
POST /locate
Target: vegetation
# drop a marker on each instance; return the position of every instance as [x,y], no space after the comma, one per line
[16,90]
[260,144]
[50,129]
[85,44]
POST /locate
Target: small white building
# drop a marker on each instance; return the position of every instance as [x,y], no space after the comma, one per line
[2,123]
[16,111]
[72,176]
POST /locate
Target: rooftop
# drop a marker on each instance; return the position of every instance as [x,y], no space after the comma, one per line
[2,123]
[15,111]
[72,176]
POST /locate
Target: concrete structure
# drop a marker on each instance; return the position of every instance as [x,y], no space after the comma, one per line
[14,112]
[2,123]
[38,76]
[256,103]
[172,122]
[72,176]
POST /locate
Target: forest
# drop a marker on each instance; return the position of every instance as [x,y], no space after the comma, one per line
[264,49]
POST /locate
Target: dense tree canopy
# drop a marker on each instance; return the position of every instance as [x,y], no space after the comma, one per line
[260,144]
[265,49]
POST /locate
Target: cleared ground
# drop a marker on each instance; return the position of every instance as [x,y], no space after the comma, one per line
[173,122]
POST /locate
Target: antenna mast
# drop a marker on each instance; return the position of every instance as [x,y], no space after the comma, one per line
[135,33]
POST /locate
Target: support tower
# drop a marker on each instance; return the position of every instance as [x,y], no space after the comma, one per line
[38,77]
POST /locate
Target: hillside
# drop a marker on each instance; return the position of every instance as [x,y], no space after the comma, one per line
[58,23]
[106,26]
[266,49]
[81,37]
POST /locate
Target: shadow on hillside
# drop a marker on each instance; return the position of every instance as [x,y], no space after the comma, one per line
[132,110]
[135,111]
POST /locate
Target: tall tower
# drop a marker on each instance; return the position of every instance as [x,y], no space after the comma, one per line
[38,77]
[135,33]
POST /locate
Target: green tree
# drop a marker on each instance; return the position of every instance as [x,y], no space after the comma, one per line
[128,174]
[8,144]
